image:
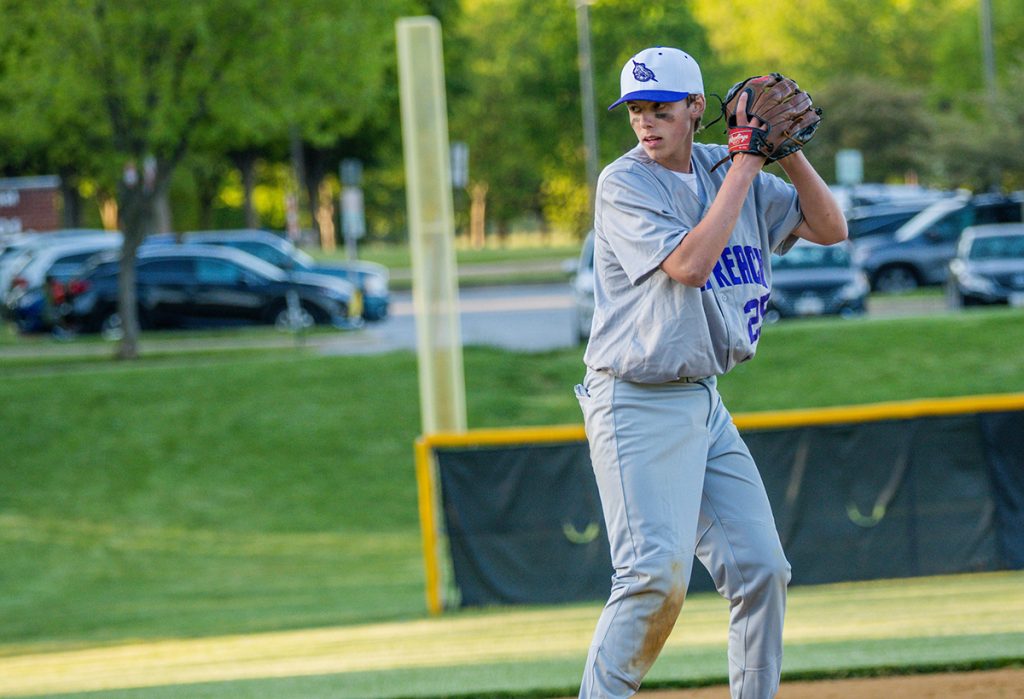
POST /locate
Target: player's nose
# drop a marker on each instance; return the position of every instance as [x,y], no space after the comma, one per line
[645,118]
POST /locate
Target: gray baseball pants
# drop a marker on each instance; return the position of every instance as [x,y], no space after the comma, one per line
[676,480]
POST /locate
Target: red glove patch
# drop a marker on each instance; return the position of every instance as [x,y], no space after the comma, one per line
[746,139]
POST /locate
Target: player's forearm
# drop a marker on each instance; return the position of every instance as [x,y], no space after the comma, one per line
[824,222]
[693,260]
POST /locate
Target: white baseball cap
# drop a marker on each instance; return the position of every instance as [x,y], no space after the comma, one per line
[660,74]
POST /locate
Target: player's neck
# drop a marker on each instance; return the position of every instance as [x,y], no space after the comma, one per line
[678,161]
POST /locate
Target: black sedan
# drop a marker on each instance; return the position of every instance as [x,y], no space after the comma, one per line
[988,268]
[208,285]
[370,278]
[816,280]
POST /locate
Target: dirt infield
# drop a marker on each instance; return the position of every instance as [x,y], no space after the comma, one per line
[988,684]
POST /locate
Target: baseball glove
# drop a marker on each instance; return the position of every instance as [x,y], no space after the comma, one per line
[788,119]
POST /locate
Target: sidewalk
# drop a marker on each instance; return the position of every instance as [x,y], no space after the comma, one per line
[496,273]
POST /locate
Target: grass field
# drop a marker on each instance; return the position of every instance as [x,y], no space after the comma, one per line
[970,621]
[265,500]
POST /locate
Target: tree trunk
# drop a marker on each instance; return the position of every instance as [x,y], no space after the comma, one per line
[314,164]
[245,161]
[137,204]
[162,219]
[72,214]
[127,301]
[299,170]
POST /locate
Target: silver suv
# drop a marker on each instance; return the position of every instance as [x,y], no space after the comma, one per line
[918,253]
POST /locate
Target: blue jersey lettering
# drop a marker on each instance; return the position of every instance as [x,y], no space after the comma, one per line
[720,277]
[741,262]
[730,264]
[755,266]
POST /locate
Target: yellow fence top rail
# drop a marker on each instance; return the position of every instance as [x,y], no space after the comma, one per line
[872,412]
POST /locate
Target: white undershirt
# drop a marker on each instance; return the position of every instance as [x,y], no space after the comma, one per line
[689,179]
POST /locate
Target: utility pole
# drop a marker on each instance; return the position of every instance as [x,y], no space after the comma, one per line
[988,62]
[987,50]
[587,98]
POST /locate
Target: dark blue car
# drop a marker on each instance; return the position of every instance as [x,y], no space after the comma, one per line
[188,285]
[370,278]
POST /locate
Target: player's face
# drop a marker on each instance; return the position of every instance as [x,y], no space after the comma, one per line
[665,130]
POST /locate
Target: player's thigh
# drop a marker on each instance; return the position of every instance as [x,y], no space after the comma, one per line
[733,487]
[737,537]
[648,449]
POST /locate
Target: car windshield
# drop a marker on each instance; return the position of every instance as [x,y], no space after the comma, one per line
[927,218]
[1001,247]
[813,257]
[303,258]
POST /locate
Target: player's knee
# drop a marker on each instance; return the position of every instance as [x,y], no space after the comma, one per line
[667,576]
[771,573]
[760,575]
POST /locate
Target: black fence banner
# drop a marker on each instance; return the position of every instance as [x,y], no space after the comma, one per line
[910,495]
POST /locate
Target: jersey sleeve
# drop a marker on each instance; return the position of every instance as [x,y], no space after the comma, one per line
[637,222]
[781,209]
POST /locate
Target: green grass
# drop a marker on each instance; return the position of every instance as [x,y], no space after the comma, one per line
[400,257]
[190,495]
[879,627]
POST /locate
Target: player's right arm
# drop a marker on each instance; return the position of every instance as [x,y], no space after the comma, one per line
[693,260]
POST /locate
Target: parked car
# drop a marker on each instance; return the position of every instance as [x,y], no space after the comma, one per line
[25,301]
[582,282]
[919,253]
[370,278]
[19,247]
[882,219]
[988,267]
[817,280]
[850,197]
[194,285]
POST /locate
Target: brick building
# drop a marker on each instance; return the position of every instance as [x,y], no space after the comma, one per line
[30,204]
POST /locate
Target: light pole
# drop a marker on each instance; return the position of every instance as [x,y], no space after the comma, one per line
[587,98]
[987,50]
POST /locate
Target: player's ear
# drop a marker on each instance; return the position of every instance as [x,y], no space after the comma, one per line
[698,105]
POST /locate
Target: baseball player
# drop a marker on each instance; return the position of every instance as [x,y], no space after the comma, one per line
[682,279]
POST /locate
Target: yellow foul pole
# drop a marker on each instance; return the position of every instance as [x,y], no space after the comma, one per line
[435,282]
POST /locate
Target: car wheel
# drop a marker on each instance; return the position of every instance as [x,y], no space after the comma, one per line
[111,328]
[895,280]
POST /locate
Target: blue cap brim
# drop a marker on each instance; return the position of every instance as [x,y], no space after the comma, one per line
[651,96]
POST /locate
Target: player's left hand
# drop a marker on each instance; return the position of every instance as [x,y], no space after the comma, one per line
[769,115]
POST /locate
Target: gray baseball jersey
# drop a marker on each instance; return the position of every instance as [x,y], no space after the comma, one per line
[649,328]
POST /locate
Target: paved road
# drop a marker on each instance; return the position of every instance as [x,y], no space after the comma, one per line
[527,318]
[523,318]
[534,318]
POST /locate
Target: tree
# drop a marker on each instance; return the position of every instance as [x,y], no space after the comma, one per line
[520,111]
[144,84]
[143,75]
[889,124]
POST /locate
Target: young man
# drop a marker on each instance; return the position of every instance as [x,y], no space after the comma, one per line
[682,279]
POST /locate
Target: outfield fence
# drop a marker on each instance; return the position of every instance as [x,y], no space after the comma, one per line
[896,489]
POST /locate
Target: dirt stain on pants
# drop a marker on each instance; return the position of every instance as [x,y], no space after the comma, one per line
[660,624]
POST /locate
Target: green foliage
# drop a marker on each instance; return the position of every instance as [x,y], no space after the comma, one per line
[87,84]
[983,152]
[887,122]
[565,203]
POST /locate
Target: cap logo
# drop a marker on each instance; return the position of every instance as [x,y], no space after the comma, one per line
[642,73]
